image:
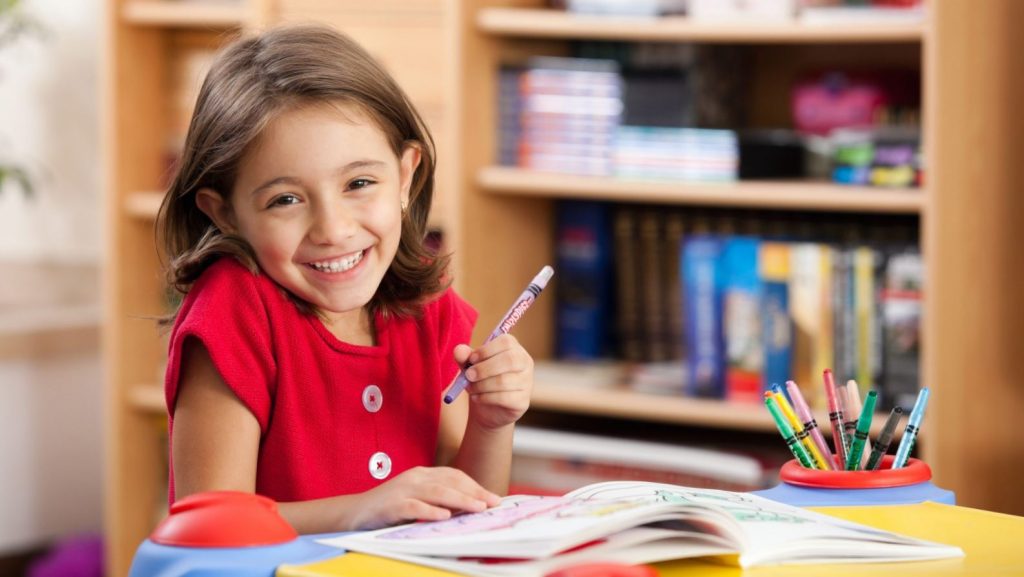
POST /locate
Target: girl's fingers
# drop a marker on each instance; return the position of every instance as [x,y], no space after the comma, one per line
[458,480]
[462,353]
[418,510]
[511,361]
[513,400]
[500,344]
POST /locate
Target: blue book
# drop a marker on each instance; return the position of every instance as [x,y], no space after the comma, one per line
[583,312]
[741,325]
[705,347]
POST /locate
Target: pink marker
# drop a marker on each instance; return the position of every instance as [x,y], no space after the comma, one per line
[835,417]
[507,322]
[803,412]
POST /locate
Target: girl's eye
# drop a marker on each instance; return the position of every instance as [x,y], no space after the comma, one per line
[284,200]
[360,183]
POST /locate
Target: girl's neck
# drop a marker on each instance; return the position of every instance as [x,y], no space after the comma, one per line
[354,328]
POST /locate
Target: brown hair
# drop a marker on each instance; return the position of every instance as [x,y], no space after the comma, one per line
[253,80]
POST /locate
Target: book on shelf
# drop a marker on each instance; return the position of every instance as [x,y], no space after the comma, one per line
[741,320]
[553,462]
[635,522]
[776,325]
[712,305]
[584,264]
[901,319]
[702,282]
[627,285]
[654,322]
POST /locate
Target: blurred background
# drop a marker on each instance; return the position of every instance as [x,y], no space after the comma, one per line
[733,194]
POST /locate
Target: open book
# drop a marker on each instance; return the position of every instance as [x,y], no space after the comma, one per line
[635,522]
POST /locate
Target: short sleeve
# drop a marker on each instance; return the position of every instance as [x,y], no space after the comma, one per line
[456,322]
[225,312]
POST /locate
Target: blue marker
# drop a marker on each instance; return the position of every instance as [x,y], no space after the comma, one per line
[913,426]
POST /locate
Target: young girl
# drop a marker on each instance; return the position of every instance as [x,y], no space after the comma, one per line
[317,333]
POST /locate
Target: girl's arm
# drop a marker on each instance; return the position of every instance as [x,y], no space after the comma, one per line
[216,447]
[478,427]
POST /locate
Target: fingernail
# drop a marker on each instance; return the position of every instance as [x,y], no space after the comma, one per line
[471,374]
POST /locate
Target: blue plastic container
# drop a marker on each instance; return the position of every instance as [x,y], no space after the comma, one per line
[804,487]
[222,533]
[155,560]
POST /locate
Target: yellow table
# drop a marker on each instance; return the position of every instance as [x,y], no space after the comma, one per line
[993,543]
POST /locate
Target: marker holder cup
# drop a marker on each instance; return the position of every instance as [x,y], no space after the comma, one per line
[805,487]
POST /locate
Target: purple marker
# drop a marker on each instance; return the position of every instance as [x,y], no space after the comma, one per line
[507,322]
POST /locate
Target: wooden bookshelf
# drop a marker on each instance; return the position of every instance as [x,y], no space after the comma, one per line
[546,23]
[187,13]
[143,205]
[793,195]
[625,403]
[967,237]
[148,399]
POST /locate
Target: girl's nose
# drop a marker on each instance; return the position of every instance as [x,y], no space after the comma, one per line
[331,224]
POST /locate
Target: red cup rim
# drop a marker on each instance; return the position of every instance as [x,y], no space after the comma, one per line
[914,472]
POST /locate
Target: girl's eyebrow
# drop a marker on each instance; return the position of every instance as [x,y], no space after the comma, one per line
[355,164]
[364,163]
[274,182]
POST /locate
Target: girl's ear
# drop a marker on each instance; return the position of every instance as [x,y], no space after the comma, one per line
[216,208]
[408,164]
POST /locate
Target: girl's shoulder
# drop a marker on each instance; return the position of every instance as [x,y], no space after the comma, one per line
[448,312]
[227,274]
[446,302]
[230,284]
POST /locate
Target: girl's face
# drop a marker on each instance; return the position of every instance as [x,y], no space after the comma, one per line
[319,197]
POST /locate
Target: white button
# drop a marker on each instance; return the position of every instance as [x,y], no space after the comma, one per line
[380,465]
[372,398]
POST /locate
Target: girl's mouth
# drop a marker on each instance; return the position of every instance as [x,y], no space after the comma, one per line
[339,264]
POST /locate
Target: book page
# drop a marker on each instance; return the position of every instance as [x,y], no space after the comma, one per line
[695,521]
[772,532]
[527,526]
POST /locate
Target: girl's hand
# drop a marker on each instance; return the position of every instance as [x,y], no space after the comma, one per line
[501,380]
[420,494]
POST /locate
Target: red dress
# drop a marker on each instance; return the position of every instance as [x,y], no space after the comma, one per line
[334,418]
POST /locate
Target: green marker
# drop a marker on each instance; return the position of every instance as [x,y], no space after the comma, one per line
[861,436]
[787,432]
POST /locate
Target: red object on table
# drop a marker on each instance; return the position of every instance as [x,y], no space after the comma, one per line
[223,519]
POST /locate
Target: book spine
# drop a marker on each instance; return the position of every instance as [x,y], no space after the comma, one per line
[805,304]
[902,309]
[584,280]
[741,308]
[654,324]
[777,326]
[676,316]
[626,284]
[704,312]
[864,298]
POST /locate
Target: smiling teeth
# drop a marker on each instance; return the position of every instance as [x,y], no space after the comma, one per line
[340,265]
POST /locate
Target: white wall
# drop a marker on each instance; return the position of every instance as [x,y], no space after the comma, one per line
[48,123]
[50,407]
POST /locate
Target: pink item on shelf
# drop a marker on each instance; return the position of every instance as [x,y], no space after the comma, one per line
[834,101]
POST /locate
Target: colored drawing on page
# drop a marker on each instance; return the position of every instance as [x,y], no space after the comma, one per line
[506,516]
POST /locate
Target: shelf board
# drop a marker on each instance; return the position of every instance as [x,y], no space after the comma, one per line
[186,13]
[543,23]
[559,387]
[143,205]
[147,398]
[792,195]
